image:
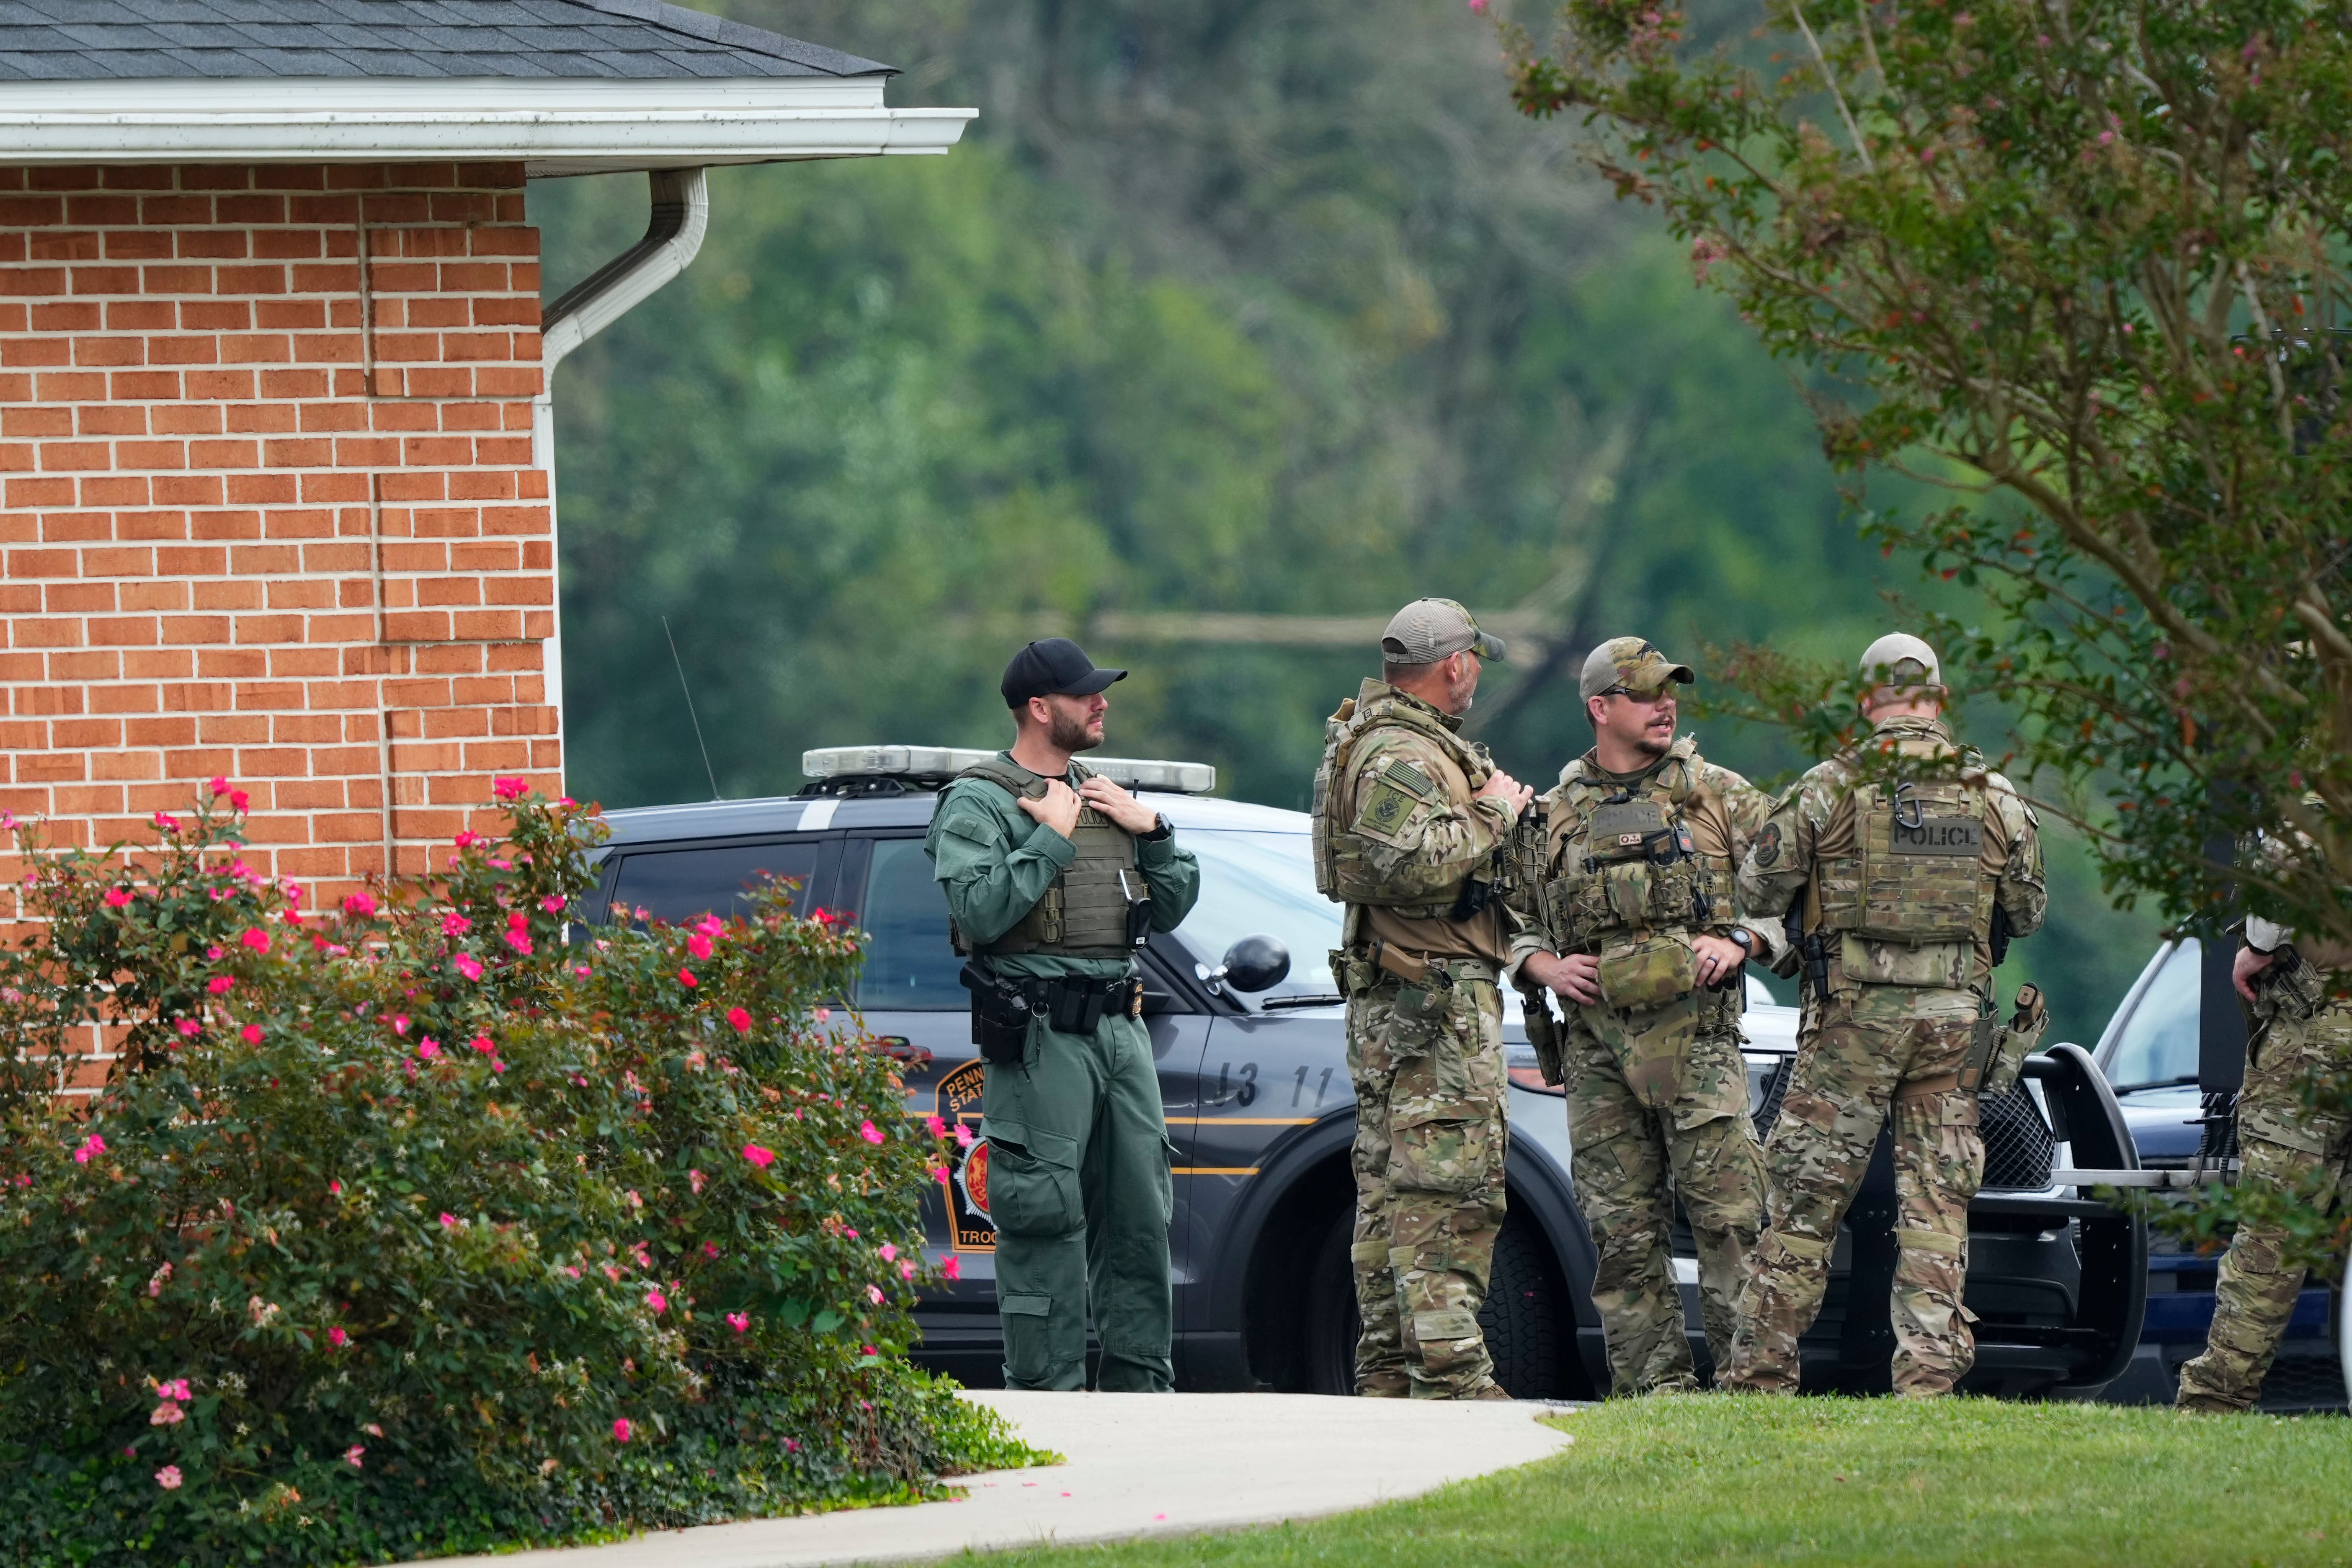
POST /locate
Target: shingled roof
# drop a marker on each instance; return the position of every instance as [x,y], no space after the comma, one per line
[85,40]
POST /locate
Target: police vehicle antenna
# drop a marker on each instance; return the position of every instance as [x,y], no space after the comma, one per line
[680,665]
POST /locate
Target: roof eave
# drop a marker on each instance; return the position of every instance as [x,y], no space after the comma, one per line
[552,127]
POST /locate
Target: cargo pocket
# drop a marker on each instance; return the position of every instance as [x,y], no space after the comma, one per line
[1033,1180]
[1416,1018]
[1028,1345]
[1449,1151]
[1648,973]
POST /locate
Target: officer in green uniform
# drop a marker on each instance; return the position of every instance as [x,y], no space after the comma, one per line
[1054,878]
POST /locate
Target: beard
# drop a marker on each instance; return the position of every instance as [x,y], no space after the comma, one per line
[1072,732]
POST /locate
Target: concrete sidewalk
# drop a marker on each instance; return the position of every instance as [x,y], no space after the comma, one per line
[1140,1464]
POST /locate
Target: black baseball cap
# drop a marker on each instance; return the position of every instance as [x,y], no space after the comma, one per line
[1055,667]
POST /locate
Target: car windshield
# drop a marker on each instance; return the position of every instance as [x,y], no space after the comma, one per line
[1262,884]
[2158,1043]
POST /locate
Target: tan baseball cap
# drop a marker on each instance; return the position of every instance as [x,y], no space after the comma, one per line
[1630,662]
[1429,629]
[1900,659]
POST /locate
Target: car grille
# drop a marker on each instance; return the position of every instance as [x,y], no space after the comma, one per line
[2017,1145]
[2018,1149]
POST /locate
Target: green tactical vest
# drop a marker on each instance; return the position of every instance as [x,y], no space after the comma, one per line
[1627,868]
[1919,878]
[1343,858]
[1084,913]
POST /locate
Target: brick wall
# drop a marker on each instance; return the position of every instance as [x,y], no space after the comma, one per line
[267,503]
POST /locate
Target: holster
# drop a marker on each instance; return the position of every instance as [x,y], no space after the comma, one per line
[1544,1035]
[1000,1015]
[1997,1053]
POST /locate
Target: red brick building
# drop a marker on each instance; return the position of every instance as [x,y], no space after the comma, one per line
[275,484]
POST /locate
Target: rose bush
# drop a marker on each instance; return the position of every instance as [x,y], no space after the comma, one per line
[439,1223]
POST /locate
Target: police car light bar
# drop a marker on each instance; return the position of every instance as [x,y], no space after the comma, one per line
[939,763]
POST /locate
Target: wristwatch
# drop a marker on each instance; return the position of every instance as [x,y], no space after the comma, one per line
[1743,939]
[1161,829]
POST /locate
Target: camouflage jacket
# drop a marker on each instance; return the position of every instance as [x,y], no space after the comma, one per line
[1817,823]
[1407,829]
[1721,810]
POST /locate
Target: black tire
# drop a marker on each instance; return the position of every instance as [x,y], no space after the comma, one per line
[1524,1318]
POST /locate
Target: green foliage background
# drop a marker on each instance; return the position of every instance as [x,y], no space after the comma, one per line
[1243,305]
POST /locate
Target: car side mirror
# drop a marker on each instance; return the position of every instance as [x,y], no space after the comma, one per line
[1253,964]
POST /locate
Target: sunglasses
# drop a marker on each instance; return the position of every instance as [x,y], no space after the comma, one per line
[1646,698]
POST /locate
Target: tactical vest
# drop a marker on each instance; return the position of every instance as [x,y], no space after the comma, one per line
[1919,876]
[1342,857]
[1085,912]
[1626,866]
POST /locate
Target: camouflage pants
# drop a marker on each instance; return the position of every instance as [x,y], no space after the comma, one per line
[1657,1104]
[2286,1144]
[1428,1161]
[1887,1046]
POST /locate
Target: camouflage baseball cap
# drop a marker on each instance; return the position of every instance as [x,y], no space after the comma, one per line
[1632,663]
[1898,658]
[1429,629]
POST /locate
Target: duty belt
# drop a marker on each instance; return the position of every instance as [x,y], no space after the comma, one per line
[1075,1006]
[1380,962]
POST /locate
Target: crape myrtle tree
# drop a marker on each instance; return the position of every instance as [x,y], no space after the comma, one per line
[2083,264]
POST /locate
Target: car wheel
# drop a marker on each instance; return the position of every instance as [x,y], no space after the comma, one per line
[1521,1319]
[1332,1322]
[1523,1314]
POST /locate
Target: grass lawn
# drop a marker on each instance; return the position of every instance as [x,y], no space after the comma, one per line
[1661,1482]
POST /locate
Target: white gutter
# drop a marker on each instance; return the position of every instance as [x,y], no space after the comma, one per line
[680,217]
[554,127]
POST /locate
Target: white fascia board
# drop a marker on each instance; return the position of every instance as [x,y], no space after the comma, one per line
[554,127]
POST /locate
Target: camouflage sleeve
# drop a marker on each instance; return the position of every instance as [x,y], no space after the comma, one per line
[2023,892]
[1523,905]
[1420,845]
[1773,873]
[1744,809]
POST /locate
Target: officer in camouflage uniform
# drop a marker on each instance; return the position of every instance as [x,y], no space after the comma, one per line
[2298,989]
[1054,878]
[1631,923]
[1413,827]
[1908,883]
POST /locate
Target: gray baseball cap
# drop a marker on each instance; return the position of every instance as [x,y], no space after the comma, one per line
[1898,658]
[1429,629]
[1633,663]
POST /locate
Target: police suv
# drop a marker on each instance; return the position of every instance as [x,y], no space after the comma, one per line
[1248,1030]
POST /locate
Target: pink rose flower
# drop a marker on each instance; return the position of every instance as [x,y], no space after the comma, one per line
[657,1301]
[519,942]
[351,1456]
[176,1389]
[448,1220]
[696,1179]
[552,903]
[482,1044]
[455,924]
[166,1415]
[168,1478]
[938,1128]
[964,1135]
[870,1132]
[738,1321]
[359,904]
[189,1027]
[256,939]
[697,944]
[428,1048]
[335,1187]
[337,1338]
[509,788]
[93,1145]
[685,977]
[468,965]
[889,1252]
[764,1158]
[220,984]
[739,1020]
[621,1429]
[167,821]
[115,897]
[250,1033]
[952,1267]
[873,1294]
[469,839]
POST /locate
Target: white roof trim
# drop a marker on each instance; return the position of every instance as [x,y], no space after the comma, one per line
[555,127]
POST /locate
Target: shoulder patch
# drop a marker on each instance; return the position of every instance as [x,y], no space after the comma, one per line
[1406,775]
[1386,809]
[1765,853]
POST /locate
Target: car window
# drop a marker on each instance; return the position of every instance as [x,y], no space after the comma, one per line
[909,963]
[2158,1043]
[1262,884]
[685,884]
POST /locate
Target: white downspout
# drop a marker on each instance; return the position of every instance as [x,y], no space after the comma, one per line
[681,217]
